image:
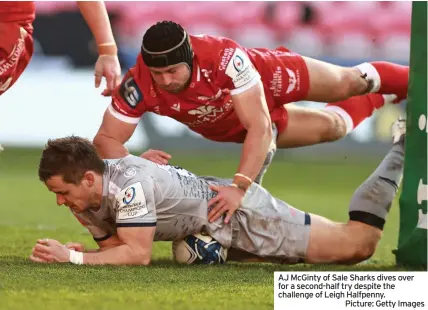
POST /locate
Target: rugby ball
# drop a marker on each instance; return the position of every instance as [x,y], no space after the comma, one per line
[198,249]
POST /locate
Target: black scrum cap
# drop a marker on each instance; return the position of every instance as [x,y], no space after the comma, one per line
[166,43]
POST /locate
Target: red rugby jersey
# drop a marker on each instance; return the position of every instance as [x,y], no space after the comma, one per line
[221,69]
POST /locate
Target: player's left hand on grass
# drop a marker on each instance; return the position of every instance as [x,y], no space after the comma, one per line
[107,66]
[156,156]
[50,251]
[228,200]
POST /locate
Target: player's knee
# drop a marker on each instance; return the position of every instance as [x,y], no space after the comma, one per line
[351,83]
[334,129]
[364,251]
[359,251]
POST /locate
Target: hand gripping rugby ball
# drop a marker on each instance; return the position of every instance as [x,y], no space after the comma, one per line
[198,249]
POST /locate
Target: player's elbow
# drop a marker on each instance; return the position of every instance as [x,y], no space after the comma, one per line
[267,132]
[145,261]
[261,128]
[99,140]
[140,260]
[109,147]
[266,129]
[100,143]
[141,257]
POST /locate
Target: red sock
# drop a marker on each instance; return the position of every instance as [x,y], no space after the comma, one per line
[394,79]
[356,109]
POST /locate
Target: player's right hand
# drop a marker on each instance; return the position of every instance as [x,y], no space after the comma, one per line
[75,246]
[107,66]
[156,156]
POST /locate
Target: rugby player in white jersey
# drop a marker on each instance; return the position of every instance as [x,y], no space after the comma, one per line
[129,203]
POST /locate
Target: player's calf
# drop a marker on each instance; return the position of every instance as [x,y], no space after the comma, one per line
[357,240]
[374,77]
[352,84]
[339,243]
[331,83]
[356,109]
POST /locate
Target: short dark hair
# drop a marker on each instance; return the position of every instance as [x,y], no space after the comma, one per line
[70,157]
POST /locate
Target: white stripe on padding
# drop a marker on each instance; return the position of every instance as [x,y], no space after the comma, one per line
[372,74]
[123,118]
[349,123]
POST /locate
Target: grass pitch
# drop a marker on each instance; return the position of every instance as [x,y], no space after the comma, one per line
[28,212]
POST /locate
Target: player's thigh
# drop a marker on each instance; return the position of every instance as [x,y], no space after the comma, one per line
[308,126]
[330,83]
[331,242]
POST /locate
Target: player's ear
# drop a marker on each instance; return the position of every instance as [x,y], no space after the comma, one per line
[89,178]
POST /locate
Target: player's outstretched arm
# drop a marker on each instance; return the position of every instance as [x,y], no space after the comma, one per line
[252,111]
[251,108]
[107,65]
[134,248]
[39,255]
[111,242]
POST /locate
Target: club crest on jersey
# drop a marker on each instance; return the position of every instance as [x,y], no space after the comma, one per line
[238,63]
[176,106]
[208,110]
[129,195]
[292,81]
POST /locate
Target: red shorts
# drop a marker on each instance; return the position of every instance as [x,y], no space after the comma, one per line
[280,118]
[16,49]
[285,78]
[295,87]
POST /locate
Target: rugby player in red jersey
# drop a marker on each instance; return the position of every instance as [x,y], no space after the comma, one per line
[229,93]
[16,42]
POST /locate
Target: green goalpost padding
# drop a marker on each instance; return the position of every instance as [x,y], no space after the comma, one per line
[412,241]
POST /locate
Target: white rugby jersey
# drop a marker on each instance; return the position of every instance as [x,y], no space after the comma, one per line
[138,193]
